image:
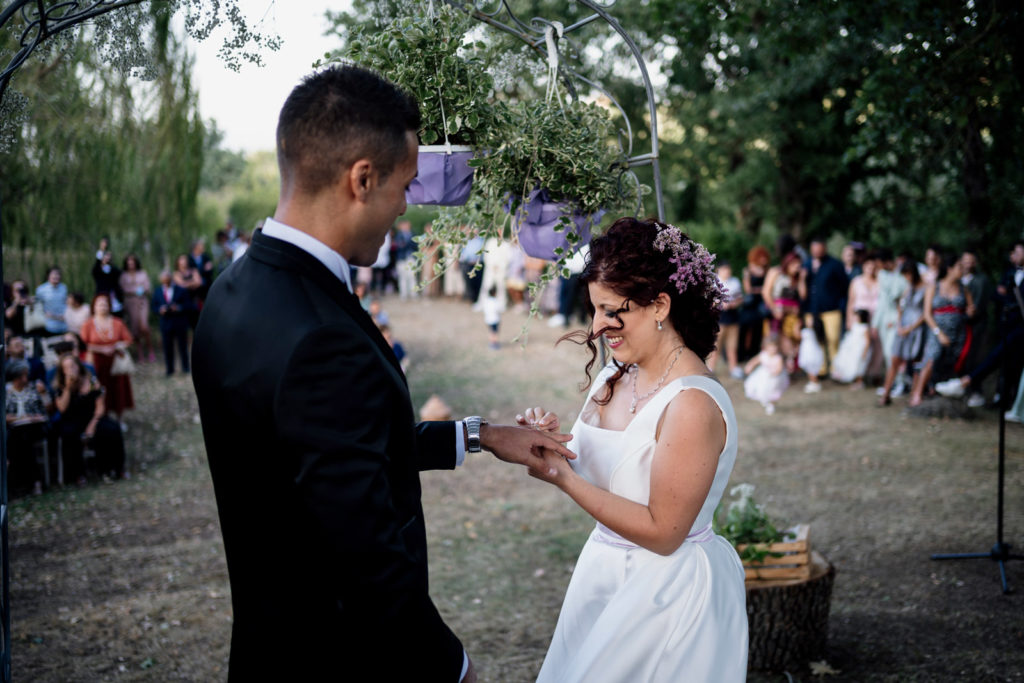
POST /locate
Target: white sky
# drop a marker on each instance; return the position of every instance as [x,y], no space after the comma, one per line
[245,104]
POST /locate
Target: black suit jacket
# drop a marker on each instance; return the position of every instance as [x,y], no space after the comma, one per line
[1013,317]
[172,320]
[315,458]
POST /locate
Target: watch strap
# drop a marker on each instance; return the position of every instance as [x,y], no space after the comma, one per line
[473,423]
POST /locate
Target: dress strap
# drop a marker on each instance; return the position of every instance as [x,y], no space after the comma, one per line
[648,416]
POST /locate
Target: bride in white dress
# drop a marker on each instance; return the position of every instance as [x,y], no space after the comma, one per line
[656,595]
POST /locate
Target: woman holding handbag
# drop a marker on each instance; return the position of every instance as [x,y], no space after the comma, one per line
[107,340]
[81,404]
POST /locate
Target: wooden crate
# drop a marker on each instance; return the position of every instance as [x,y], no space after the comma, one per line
[794,563]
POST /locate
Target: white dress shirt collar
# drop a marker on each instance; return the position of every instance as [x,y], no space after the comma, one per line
[334,261]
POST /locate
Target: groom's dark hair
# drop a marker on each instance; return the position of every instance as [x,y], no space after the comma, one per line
[336,117]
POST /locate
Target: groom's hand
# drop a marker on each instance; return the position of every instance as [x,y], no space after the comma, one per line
[522,445]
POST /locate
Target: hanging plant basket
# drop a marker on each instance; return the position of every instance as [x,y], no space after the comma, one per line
[445,177]
[541,231]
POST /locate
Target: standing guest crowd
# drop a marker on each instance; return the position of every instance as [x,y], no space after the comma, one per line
[914,328]
[909,325]
[918,329]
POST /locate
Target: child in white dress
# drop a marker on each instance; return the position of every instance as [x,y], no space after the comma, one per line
[766,376]
[492,306]
[854,352]
[811,359]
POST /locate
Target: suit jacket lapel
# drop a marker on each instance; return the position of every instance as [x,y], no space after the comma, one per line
[282,254]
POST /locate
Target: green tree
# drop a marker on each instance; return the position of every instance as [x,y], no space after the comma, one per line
[942,102]
[102,154]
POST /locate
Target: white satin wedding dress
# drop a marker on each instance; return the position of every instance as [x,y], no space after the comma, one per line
[630,614]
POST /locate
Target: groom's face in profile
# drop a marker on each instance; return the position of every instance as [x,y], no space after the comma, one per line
[385,202]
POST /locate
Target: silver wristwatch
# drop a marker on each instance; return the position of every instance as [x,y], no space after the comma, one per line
[473,432]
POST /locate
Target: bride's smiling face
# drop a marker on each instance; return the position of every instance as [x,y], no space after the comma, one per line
[629,329]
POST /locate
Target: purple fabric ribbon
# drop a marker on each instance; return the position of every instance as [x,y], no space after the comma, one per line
[535,221]
[603,534]
[444,179]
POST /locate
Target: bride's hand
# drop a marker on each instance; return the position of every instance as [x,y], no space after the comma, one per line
[538,418]
[556,469]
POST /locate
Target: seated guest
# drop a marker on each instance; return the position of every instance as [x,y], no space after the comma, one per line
[172,304]
[16,351]
[74,345]
[26,425]
[77,347]
[80,401]
[77,312]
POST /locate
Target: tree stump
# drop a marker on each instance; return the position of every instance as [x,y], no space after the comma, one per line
[788,619]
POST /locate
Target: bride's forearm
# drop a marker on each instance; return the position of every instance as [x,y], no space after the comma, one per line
[631,520]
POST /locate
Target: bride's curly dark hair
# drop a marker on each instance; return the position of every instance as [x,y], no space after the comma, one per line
[626,260]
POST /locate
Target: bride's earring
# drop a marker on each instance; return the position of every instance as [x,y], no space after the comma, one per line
[660,328]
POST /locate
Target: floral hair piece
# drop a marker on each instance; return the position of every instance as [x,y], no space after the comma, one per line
[695,265]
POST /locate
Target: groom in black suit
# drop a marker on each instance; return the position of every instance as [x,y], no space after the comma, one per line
[309,428]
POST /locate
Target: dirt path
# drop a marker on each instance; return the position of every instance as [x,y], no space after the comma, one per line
[127,581]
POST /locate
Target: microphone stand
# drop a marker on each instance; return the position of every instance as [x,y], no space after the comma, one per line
[1000,552]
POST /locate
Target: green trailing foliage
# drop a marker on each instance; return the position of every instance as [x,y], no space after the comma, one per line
[428,55]
[566,150]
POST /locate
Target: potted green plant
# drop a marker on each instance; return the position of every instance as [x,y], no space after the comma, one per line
[766,552]
[556,172]
[425,52]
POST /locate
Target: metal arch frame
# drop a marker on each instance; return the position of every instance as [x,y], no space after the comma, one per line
[502,17]
[42,22]
[44,19]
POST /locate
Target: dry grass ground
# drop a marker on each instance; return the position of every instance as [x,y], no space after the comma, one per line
[126,581]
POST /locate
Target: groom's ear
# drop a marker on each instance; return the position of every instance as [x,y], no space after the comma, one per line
[360,179]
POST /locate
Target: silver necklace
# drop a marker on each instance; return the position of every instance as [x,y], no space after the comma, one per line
[652,392]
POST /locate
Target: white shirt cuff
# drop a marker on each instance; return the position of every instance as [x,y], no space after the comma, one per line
[465,665]
[460,455]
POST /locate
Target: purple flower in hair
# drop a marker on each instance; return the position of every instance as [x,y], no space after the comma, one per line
[695,266]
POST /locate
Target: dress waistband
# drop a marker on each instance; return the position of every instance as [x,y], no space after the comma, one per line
[603,534]
[949,309]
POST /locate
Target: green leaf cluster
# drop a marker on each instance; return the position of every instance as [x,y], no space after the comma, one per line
[745,522]
[566,150]
[429,57]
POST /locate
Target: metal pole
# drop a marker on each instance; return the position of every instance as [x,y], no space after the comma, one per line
[651,104]
[5,563]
